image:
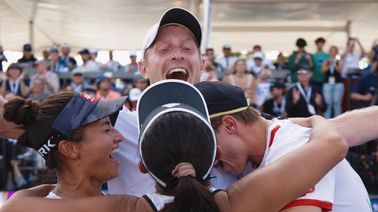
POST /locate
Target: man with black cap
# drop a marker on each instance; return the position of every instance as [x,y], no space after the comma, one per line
[27,60]
[300,58]
[259,142]
[276,105]
[88,64]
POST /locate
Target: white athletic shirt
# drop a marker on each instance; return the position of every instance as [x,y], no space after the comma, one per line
[130,180]
[340,190]
[52,195]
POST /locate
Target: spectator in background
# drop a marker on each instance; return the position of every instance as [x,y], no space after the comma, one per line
[281,63]
[50,79]
[266,63]
[27,60]
[333,88]
[70,62]
[88,64]
[300,58]
[282,70]
[264,81]
[14,82]
[275,106]
[57,64]
[90,91]
[46,56]
[256,48]
[372,56]
[37,91]
[351,58]
[211,60]
[112,65]
[78,83]
[303,99]
[104,88]
[227,61]
[93,53]
[132,67]
[365,91]
[243,79]
[133,98]
[319,57]
[140,82]
[256,65]
[209,73]
[2,58]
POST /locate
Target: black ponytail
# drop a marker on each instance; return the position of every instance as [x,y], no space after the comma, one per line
[191,196]
[174,138]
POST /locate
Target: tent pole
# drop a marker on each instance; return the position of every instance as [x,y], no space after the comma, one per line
[348,29]
[31,32]
[206,25]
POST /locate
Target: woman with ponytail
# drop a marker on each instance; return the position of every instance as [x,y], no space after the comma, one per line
[182,171]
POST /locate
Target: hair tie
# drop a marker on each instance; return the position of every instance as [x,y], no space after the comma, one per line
[184,169]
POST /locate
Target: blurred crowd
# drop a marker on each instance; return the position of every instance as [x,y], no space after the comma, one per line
[325,82]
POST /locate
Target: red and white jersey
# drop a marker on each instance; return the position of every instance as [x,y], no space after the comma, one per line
[340,190]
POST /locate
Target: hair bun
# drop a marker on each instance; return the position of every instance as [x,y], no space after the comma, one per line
[21,111]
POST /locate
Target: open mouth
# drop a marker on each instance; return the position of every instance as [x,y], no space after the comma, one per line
[178,73]
[113,152]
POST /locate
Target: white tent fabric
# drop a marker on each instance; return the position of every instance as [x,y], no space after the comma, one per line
[122,24]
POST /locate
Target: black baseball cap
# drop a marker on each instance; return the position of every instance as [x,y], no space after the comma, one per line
[81,110]
[84,51]
[222,98]
[277,85]
[174,16]
[171,96]
[27,47]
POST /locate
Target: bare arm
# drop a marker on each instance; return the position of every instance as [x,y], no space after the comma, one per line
[8,129]
[360,97]
[24,89]
[28,199]
[272,187]
[325,66]
[2,87]
[357,126]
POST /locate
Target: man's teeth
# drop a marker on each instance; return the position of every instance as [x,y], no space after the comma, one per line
[115,151]
[177,70]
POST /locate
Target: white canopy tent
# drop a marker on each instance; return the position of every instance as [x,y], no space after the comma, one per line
[122,24]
